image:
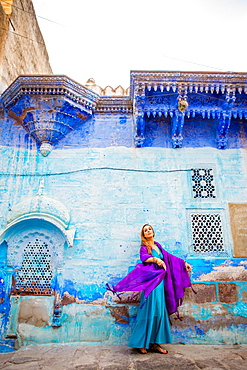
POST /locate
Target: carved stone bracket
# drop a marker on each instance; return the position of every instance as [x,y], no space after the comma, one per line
[225,121]
[140,130]
[47,120]
[224,124]
[178,121]
[177,128]
[139,120]
[48,108]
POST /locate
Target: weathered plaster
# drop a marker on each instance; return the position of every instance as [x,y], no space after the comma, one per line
[98,183]
[226,273]
[34,311]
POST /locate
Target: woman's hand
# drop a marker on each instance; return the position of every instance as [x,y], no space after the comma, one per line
[156,260]
[187,266]
[160,263]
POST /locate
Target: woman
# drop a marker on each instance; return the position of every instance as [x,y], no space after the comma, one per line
[162,278]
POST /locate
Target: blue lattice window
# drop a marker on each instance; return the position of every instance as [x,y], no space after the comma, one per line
[36,272]
[207,233]
[203,183]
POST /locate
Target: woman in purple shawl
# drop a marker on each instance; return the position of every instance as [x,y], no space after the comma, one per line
[162,278]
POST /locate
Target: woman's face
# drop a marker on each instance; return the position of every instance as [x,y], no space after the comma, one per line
[148,232]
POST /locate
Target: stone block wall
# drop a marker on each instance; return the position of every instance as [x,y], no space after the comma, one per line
[22,47]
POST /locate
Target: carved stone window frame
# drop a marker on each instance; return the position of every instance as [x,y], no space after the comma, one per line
[204,166]
[225,232]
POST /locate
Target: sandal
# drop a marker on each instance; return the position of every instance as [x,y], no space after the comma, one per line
[156,347]
[143,351]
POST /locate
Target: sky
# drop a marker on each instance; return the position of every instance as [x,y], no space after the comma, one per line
[107,39]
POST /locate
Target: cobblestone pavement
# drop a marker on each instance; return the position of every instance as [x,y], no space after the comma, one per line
[70,357]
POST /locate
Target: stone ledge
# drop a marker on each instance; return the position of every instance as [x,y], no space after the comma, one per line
[227,293]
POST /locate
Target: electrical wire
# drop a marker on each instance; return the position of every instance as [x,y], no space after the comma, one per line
[25,37]
[49,20]
[31,13]
[187,61]
[166,56]
[92,169]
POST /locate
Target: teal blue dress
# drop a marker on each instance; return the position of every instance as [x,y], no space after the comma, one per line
[152,322]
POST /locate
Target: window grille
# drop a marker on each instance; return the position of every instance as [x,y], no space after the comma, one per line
[35,274]
[203,183]
[207,233]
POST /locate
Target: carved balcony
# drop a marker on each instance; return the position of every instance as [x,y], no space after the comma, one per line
[48,107]
[177,97]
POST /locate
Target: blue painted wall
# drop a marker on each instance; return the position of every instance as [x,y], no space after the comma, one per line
[110,189]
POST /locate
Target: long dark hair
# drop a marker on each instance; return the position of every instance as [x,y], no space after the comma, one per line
[144,240]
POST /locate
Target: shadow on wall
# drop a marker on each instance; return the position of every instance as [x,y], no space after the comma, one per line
[197,133]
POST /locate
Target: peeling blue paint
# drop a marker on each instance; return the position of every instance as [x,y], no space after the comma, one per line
[202,267]
[199,331]
[68,286]
[4,303]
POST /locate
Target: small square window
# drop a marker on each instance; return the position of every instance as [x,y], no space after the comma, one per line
[207,233]
[203,183]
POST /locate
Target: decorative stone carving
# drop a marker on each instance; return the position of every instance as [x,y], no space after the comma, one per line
[188,94]
[18,237]
[140,130]
[45,148]
[177,127]
[214,82]
[225,121]
[114,105]
[48,108]
[43,208]
[108,90]
[47,120]
[182,105]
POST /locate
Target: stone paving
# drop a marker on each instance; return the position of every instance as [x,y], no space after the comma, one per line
[70,357]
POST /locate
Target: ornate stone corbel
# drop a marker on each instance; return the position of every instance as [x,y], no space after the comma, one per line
[177,127]
[139,122]
[46,120]
[225,121]
[178,122]
[48,108]
[224,124]
[139,129]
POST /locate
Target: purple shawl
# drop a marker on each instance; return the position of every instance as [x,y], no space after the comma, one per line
[147,276]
